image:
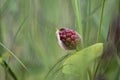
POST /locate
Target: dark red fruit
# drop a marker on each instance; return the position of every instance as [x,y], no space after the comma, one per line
[69,38]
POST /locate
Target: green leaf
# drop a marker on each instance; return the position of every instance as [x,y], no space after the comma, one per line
[78,63]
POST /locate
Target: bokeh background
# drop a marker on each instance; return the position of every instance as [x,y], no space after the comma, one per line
[28,29]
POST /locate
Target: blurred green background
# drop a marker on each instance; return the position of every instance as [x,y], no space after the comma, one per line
[28,27]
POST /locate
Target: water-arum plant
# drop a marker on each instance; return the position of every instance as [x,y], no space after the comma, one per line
[74,64]
[79,63]
[67,39]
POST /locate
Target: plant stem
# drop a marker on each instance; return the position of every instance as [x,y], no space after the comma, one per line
[78,21]
[119,6]
[1,48]
[61,59]
[101,18]
[9,70]
[88,22]
[78,25]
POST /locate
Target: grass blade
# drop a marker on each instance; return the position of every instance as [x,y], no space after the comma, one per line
[101,17]
[10,70]
[77,16]
[61,59]
[14,56]
[4,7]
[20,27]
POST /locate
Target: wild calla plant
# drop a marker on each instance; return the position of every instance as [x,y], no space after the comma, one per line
[69,39]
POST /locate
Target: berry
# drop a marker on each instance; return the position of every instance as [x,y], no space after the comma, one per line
[68,38]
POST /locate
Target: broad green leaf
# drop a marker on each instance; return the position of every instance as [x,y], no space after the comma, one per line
[78,63]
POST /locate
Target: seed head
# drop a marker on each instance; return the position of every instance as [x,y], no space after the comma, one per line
[68,39]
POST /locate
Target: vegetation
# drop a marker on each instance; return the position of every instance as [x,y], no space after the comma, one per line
[29,48]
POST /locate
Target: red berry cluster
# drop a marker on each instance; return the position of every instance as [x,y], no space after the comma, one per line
[69,38]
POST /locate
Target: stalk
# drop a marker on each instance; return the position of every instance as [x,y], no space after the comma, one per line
[78,24]
[101,18]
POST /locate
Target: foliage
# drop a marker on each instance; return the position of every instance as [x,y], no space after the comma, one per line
[27,31]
